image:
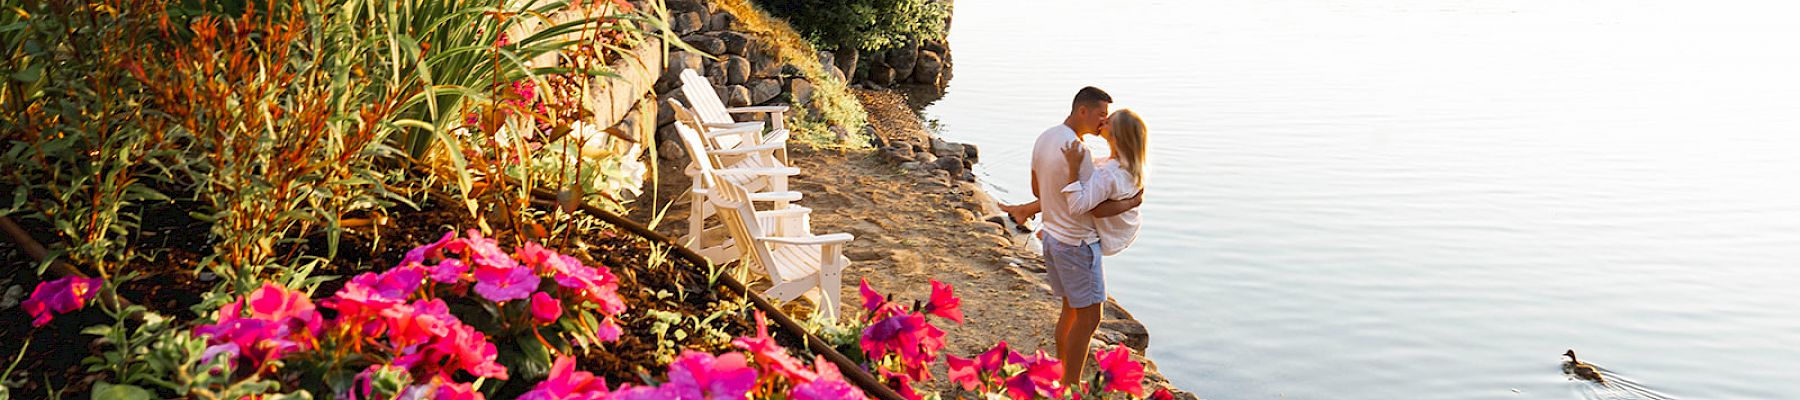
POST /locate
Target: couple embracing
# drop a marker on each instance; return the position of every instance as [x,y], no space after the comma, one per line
[1089,209]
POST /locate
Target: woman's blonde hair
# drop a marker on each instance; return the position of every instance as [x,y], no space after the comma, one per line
[1128,136]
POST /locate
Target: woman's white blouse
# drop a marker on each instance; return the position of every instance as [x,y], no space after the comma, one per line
[1109,182]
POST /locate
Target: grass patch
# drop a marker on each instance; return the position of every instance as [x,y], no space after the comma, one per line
[832,97]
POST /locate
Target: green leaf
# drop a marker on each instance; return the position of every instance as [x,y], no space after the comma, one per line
[29,74]
[103,390]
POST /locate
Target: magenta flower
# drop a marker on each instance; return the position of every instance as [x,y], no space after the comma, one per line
[502,284]
[461,348]
[996,358]
[826,390]
[696,375]
[908,335]
[597,285]
[901,385]
[1041,378]
[418,255]
[1162,394]
[643,393]
[872,300]
[279,321]
[482,252]
[1119,372]
[448,271]
[944,302]
[419,322]
[545,309]
[963,371]
[565,382]
[60,296]
[458,391]
[771,358]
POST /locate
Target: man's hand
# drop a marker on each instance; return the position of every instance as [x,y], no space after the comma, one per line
[1115,207]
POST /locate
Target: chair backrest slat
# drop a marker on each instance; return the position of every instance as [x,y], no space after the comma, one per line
[706,103]
[739,215]
[696,148]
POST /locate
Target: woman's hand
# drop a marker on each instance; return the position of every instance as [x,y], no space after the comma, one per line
[1075,155]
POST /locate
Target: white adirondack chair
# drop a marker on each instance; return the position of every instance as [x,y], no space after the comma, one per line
[715,115]
[706,171]
[797,264]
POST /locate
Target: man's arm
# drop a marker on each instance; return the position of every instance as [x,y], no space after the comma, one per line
[1115,207]
[1034,190]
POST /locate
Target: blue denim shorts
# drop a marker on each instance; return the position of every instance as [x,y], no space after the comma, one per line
[1075,272]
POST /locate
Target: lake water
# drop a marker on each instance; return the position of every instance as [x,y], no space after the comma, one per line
[1416,199]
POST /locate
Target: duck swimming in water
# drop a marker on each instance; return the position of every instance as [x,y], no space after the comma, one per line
[1583,370]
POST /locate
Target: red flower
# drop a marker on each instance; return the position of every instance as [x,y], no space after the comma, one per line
[60,296]
[1162,394]
[1042,378]
[545,309]
[565,382]
[1119,372]
[771,357]
[872,300]
[963,371]
[944,302]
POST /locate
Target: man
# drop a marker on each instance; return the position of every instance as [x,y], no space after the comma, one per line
[1071,244]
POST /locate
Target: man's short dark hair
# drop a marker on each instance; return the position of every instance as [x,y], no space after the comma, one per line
[1089,96]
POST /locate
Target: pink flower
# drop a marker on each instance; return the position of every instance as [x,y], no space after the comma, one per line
[1041,378]
[279,321]
[771,357]
[1162,394]
[545,309]
[944,302]
[565,382]
[460,348]
[901,385]
[996,358]
[503,284]
[419,322]
[60,296]
[458,391]
[418,255]
[1119,372]
[872,300]
[482,252]
[826,390]
[696,375]
[908,335]
[448,271]
[963,371]
[596,285]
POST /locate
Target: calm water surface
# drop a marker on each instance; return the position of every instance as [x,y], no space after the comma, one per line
[1430,199]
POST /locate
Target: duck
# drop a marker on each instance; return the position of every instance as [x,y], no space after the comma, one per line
[1583,370]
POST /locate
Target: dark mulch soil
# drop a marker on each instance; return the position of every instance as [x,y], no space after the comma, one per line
[174,243]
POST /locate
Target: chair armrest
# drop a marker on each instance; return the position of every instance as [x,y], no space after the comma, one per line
[775,196]
[790,212]
[776,136]
[756,109]
[741,130]
[772,171]
[741,150]
[734,125]
[810,240]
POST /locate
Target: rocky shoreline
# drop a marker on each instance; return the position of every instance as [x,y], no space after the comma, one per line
[902,141]
[910,198]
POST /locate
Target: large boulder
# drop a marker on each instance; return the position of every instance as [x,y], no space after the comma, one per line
[763,64]
[846,61]
[881,75]
[682,6]
[678,60]
[800,91]
[929,68]
[705,43]
[686,23]
[903,59]
[735,42]
[715,72]
[737,70]
[763,90]
[721,21]
[952,164]
[735,95]
[937,46]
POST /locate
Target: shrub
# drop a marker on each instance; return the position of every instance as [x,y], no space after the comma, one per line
[863,24]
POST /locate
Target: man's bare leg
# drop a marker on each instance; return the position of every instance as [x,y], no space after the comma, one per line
[1074,355]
